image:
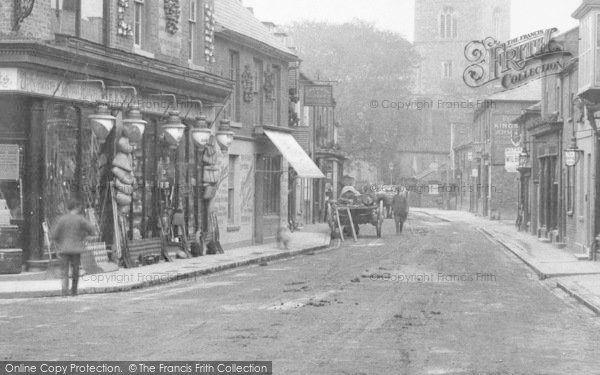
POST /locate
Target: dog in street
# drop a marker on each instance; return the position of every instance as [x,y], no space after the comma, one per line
[283,237]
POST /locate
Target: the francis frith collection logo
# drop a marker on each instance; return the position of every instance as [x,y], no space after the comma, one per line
[514,63]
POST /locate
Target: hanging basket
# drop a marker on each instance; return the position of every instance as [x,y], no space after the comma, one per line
[124,146]
[123,188]
[123,176]
[209,192]
[122,161]
[122,199]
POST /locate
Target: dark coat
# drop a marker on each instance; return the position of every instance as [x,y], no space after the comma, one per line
[400,206]
[69,233]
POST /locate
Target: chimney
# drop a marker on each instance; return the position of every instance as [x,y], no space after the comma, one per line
[250,9]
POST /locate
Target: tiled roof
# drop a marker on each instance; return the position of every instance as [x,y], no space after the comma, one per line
[233,15]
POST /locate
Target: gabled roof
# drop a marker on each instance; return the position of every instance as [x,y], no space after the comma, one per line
[233,16]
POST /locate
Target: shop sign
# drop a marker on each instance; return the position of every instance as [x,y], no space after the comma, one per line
[511,159]
[570,157]
[469,156]
[514,63]
[9,162]
[318,96]
[434,189]
[474,172]
[8,78]
[44,84]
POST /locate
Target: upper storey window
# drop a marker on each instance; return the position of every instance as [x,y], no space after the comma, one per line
[496,22]
[82,18]
[448,20]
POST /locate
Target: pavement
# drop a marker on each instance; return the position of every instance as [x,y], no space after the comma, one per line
[578,278]
[310,238]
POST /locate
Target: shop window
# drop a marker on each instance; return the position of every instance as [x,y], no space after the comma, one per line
[231,215]
[11,177]
[272,171]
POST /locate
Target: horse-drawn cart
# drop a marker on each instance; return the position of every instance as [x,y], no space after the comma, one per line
[347,216]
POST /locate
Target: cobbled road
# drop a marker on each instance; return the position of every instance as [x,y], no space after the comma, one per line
[440,298]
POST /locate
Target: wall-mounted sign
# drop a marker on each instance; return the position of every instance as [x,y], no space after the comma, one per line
[474,172]
[9,162]
[516,62]
[570,157]
[469,156]
[318,96]
[511,159]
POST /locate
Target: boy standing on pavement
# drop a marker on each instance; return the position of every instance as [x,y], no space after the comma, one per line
[69,234]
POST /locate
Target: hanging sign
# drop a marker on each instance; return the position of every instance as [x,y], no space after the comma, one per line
[511,159]
[570,157]
[318,96]
[9,162]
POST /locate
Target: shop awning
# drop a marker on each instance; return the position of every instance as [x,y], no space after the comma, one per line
[294,154]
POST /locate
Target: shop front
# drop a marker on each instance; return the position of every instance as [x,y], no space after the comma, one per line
[277,152]
[116,140]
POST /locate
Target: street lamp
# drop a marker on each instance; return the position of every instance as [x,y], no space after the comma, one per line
[200,132]
[134,124]
[523,157]
[224,135]
[173,130]
[102,121]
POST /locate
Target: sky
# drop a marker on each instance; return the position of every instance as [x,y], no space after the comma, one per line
[397,15]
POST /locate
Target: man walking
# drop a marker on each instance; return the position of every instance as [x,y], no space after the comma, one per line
[400,210]
[69,234]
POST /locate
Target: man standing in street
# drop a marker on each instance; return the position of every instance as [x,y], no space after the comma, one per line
[69,234]
[400,210]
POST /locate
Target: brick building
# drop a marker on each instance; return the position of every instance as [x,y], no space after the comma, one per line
[58,59]
[265,161]
[495,183]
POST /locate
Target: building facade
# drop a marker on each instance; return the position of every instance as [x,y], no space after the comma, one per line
[76,76]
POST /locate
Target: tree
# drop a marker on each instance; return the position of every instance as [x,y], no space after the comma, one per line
[370,66]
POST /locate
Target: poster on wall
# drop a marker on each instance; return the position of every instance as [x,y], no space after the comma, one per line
[511,159]
[9,162]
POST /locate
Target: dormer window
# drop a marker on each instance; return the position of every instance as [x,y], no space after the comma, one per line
[448,21]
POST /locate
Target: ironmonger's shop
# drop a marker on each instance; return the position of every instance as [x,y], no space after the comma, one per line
[116,139]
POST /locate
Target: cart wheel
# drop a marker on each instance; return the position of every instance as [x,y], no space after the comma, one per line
[380,218]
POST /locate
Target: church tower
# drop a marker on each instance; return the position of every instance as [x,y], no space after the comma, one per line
[442,30]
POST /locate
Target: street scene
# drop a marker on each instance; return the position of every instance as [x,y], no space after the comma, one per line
[278,187]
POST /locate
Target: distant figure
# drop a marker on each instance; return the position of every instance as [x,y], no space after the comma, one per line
[400,210]
[283,237]
[69,234]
